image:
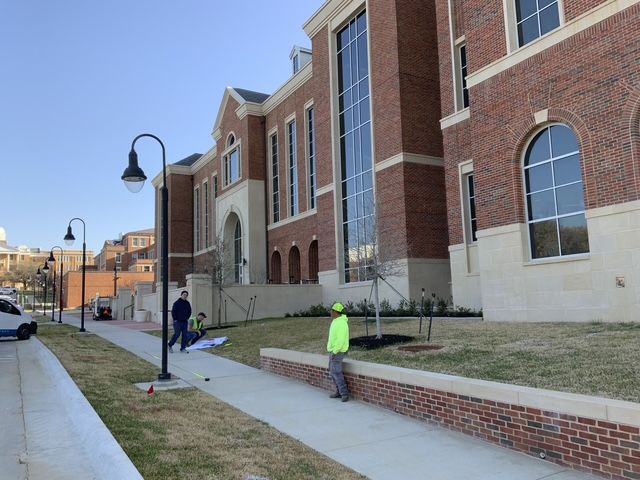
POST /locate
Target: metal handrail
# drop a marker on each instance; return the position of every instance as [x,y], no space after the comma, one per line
[124,311]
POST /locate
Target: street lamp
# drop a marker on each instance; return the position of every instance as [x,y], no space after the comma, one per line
[45,271]
[69,239]
[35,287]
[134,178]
[115,281]
[52,259]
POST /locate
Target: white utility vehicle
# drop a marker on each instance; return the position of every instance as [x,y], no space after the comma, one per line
[15,323]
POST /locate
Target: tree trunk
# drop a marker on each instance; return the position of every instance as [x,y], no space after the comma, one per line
[377,300]
[219,305]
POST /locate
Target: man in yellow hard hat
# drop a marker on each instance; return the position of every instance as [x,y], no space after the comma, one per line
[338,346]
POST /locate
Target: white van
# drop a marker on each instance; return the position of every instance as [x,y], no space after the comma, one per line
[14,323]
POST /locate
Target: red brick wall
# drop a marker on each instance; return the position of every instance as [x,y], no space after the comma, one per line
[589,97]
[97,282]
[300,232]
[610,450]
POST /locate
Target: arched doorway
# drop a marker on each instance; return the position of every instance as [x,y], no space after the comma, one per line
[276,268]
[313,261]
[294,265]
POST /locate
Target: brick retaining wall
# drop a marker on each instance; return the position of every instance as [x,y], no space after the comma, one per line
[592,434]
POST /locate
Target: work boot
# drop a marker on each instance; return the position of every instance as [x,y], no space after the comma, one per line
[170,348]
[335,395]
[345,398]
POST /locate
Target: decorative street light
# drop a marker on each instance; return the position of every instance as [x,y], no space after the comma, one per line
[134,178]
[52,259]
[115,281]
[45,271]
[35,287]
[69,239]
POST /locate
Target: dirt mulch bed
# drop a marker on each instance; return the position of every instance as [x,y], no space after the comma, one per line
[371,342]
[419,348]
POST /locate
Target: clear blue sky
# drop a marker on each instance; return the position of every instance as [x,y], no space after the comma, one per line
[80,79]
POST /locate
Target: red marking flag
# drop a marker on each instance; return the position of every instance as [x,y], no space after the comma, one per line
[150,392]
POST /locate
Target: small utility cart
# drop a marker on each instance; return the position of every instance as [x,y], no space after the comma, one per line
[102,308]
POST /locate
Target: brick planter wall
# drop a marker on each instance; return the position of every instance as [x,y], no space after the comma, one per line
[591,434]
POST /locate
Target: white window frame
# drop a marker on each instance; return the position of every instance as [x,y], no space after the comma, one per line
[205,202]
[196,218]
[310,142]
[226,159]
[274,196]
[511,24]
[460,79]
[292,167]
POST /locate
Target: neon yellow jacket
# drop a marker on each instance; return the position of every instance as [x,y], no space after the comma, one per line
[195,324]
[338,335]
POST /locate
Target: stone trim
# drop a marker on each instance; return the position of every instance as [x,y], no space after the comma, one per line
[591,434]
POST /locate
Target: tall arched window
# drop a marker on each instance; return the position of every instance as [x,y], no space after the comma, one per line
[313,261]
[294,265]
[237,253]
[276,268]
[555,196]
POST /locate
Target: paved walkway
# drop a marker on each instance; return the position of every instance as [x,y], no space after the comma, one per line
[375,442]
[48,430]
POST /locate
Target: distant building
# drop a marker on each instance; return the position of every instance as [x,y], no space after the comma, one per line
[132,252]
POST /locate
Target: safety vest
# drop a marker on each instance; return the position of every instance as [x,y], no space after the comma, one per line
[197,325]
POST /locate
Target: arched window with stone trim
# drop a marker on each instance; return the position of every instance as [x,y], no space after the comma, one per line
[555,194]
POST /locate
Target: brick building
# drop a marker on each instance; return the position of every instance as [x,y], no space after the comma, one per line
[131,252]
[541,122]
[487,148]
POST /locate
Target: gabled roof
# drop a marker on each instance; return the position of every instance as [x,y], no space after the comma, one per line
[190,160]
[241,96]
[251,96]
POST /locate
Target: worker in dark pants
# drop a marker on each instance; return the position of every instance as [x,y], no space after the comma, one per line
[338,346]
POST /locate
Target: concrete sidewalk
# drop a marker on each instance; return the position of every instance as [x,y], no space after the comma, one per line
[49,430]
[375,442]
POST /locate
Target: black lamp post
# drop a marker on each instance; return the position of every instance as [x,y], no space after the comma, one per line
[134,178]
[35,287]
[45,270]
[115,281]
[52,259]
[69,239]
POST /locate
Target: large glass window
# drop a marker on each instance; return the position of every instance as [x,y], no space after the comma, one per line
[232,163]
[462,52]
[312,156]
[358,221]
[275,183]
[555,197]
[535,18]
[205,188]
[293,169]
[471,205]
[196,218]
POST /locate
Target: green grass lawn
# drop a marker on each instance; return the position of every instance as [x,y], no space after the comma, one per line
[163,436]
[601,359]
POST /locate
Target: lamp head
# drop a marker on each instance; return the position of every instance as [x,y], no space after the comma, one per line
[51,257]
[69,238]
[133,175]
[45,269]
[39,274]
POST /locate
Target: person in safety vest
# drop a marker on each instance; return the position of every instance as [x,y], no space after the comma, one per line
[337,346]
[196,329]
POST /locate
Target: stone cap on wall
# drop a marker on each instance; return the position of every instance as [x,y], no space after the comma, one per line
[598,408]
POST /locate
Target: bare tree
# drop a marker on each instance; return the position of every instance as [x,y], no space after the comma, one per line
[222,269]
[373,262]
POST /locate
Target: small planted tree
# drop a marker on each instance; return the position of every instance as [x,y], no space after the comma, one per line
[221,267]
